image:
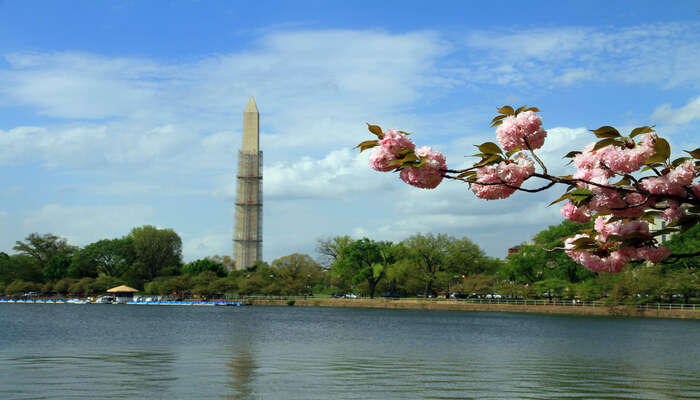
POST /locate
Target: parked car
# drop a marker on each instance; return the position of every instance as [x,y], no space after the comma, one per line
[337,295]
[351,296]
[391,295]
[459,296]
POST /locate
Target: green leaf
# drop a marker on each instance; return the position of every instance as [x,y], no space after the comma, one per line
[520,109]
[466,174]
[606,132]
[662,151]
[404,133]
[605,143]
[623,182]
[507,110]
[680,160]
[651,165]
[572,154]
[515,150]
[580,196]
[496,123]
[642,130]
[376,130]
[664,231]
[489,148]
[562,198]
[534,109]
[499,117]
[490,160]
[695,153]
[367,144]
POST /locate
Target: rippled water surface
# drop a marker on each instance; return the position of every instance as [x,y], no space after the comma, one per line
[56,351]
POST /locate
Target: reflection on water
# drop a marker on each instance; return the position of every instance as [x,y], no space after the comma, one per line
[111,351]
[242,370]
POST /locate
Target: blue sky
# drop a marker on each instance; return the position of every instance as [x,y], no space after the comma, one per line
[124,113]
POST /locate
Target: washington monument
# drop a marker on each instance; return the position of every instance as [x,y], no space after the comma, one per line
[247,236]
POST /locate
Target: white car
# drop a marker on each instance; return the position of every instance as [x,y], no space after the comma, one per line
[351,296]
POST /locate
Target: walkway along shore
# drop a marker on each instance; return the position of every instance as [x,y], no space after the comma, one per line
[541,307]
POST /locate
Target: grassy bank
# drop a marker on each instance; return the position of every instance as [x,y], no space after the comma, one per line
[417,304]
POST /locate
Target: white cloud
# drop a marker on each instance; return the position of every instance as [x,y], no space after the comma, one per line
[82,225]
[683,115]
[658,53]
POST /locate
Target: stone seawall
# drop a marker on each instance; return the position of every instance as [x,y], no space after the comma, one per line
[618,311]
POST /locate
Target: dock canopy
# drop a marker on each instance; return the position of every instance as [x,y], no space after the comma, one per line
[122,289]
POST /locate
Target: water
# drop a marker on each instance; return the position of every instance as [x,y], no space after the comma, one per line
[58,351]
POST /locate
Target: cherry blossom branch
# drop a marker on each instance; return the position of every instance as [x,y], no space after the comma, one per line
[675,257]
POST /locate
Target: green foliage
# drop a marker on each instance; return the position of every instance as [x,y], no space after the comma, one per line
[532,263]
[42,248]
[20,287]
[19,267]
[297,273]
[687,242]
[104,282]
[358,262]
[81,287]
[57,268]
[552,287]
[156,250]
[198,266]
[290,302]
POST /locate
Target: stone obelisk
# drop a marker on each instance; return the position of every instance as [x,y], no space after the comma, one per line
[247,236]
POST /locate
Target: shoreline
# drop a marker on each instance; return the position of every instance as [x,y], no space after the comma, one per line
[409,304]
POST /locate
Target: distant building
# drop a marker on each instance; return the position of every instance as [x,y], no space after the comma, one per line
[247,236]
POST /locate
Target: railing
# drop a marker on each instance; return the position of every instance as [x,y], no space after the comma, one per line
[559,303]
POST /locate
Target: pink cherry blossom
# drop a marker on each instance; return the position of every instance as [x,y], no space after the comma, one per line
[489,174]
[380,158]
[673,212]
[513,172]
[520,131]
[576,214]
[683,174]
[395,141]
[429,174]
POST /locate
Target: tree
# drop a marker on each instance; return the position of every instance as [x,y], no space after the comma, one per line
[156,250]
[297,273]
[685,282]
[42,248]
[57,268]
[198,266]
[430,254]
[532,262]
[331,249]
[603,188]
[364,260]
[552,287]
[20,267]
[684,243]
[228,262]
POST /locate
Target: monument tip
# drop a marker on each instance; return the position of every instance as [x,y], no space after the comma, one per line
[251,107]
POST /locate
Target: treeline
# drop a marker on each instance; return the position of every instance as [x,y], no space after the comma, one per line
[150,259]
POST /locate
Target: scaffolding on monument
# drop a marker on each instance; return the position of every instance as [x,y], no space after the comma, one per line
[248,229]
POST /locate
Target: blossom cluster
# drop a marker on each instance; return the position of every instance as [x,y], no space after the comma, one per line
[524,131]
[503,177]
[612,257]
[621,209]
[427,173]
[389,147]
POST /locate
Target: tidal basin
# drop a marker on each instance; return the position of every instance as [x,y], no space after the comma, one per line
[57,351]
